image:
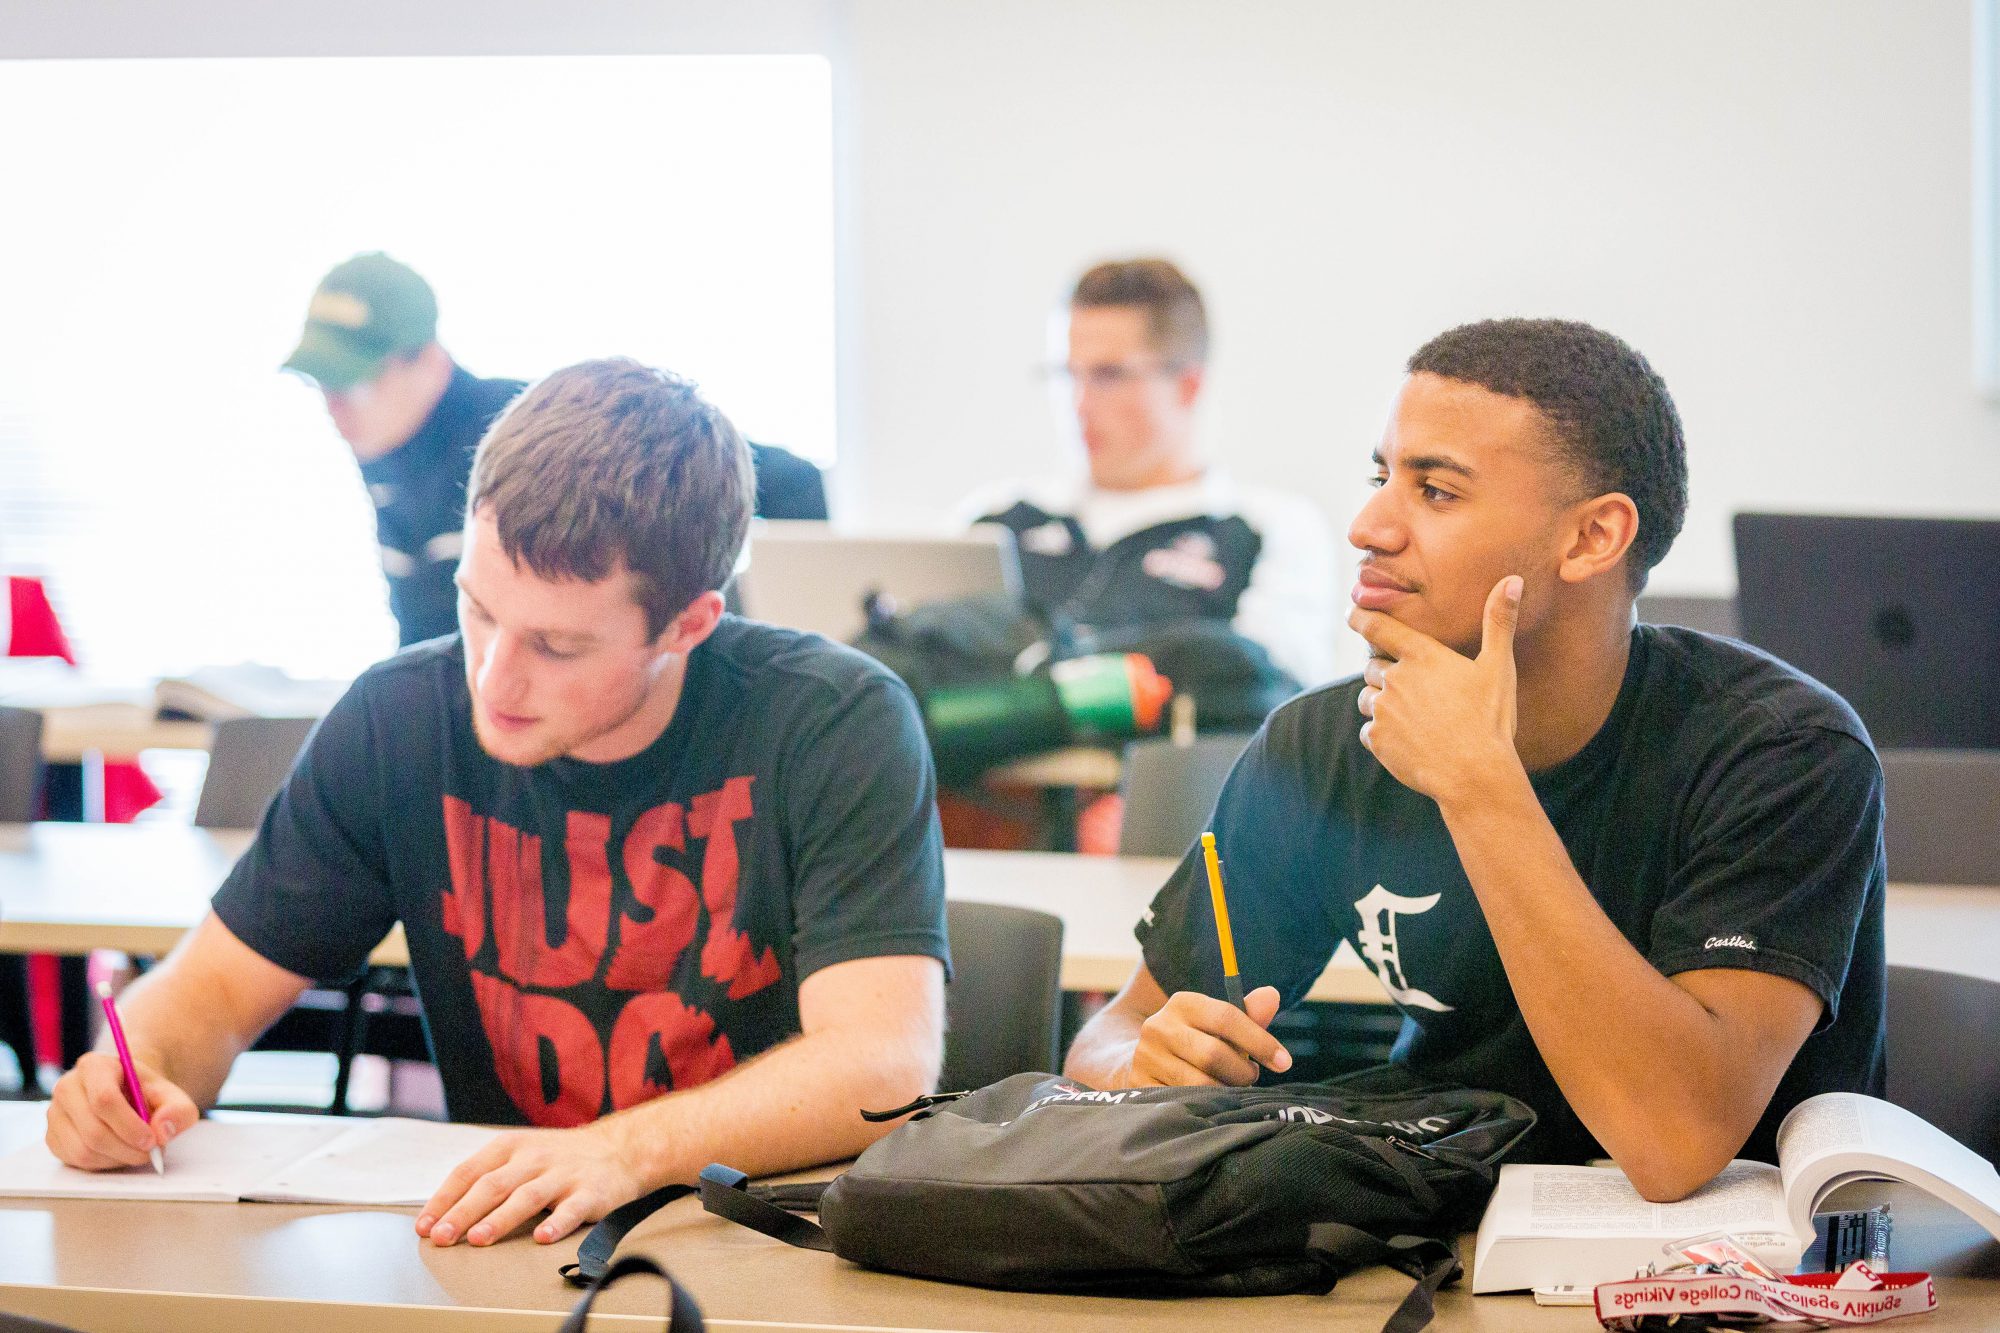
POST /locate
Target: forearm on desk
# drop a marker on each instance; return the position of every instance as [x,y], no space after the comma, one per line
[1664,1082]
[798,1104]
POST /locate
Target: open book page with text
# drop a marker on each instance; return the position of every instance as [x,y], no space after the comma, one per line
[214,1161]
[1599,1200]
[1838,1137]
[1586,1224]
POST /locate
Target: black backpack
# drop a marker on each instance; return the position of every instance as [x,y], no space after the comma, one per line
[1039,1183]
[987,640]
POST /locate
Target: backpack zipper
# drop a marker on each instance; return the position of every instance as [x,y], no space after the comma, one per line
[923,1103]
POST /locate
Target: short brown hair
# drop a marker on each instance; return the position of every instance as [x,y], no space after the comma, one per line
[610,463]
[1175,317]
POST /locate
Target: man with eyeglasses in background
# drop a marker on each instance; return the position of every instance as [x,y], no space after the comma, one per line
[1153,531]
[413,417]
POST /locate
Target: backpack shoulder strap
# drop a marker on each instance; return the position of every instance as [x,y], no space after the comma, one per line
[683,1315]
[725,1192]
[1431,1261]
[593,1255]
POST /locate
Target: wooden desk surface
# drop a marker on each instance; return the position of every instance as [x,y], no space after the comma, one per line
[1088,767]
[117,731]
[196,1267]
[69,888]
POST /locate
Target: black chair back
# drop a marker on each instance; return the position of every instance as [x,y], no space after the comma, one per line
[1170,791]
[1004,1003]
[20,764]
[248,762]
[1943,1030]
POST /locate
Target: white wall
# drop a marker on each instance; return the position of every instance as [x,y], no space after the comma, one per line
[1772,201]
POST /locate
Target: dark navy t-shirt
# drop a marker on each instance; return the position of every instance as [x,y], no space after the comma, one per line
[1727,814]
[588,936]
[418,489]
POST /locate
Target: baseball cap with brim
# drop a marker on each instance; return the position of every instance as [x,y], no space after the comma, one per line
[365,311]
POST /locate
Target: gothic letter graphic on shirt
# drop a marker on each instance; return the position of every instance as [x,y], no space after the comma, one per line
[1379,909]
[579,1008]
[465,899]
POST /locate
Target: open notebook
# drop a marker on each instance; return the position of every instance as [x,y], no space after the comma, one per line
[388,1162]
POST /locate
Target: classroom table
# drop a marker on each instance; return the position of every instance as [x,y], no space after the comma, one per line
[71,734]
[70,888]
[1082,767]
[178,1268]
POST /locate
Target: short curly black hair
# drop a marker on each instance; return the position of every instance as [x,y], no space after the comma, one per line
[1614,423]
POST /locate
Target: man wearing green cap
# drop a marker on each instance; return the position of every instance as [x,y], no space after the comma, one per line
[413,418]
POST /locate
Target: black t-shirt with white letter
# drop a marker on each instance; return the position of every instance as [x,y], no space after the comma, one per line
[1727,814]
[588,936]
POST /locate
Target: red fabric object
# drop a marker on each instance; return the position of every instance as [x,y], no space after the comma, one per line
[128,792]
[44,1012]
[34,630]
[1099,824]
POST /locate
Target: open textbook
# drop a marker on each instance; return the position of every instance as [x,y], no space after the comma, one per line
[219,693]
[1581,1225]
[279,1159]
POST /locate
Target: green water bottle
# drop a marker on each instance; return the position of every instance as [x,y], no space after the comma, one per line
[1107,696]
[1110,696]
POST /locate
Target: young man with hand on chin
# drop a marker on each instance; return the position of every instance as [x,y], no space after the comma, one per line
[672,881]
[1628,873]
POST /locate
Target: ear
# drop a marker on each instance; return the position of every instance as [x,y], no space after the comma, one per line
[1601,531]
[1187,384]
[686,631]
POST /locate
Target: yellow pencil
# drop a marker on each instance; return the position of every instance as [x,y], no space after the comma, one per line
[1232,980]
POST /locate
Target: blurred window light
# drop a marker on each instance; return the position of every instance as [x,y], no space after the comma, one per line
[168,220]
[1986,195]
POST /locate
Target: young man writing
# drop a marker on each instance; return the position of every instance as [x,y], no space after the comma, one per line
[634,843]
[1631,874]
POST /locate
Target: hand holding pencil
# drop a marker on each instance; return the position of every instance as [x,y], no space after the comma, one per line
[109,1113]
[134,1093]
[1232,980]
[1193,1038]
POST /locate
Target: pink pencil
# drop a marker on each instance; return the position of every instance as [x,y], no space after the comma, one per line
[132,1093]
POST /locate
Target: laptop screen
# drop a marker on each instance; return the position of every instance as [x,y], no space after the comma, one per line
[1901,616]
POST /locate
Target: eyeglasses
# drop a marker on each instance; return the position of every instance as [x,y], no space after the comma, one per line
[1116,377]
